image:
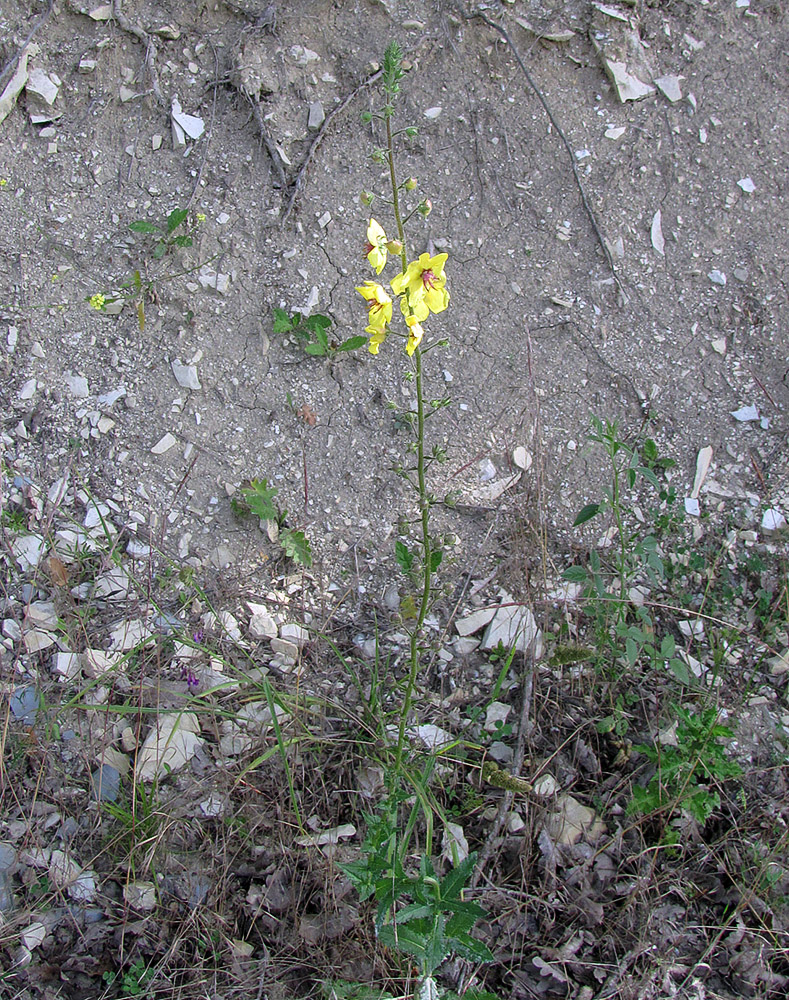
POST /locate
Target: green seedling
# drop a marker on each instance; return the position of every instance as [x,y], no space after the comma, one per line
[259,499]
[313,333]
[686,774]
[134,982]
[165,237]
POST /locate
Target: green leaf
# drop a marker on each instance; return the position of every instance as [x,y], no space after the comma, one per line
[454,881]
[260,497]
[470,948]
[175,218]
[407,940]
[183,241]
[404,557]
[632,650]
[282,321]
[318,322]
[435,559]
[575,574]
[352,344]
[316,350]
[649,451]
[159,251]
[140,226]
[586,514]
[413,911]
[296,546]
[680,670]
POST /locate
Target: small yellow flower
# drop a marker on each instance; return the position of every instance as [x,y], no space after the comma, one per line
[375,248]
[424,282]
[415,334]
[201,216]
[377,337]
[97,301]
[3,182]
[55,277]
[380,304]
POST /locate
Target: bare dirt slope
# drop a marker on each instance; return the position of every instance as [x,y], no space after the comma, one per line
[540,335]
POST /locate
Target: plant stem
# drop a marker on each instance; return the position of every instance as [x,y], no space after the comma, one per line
[424,504]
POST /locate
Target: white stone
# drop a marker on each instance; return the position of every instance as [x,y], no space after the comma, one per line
[169,746]
[78,385]
[67,665]
[140,895]
[496,715]
[43,85]
[28,551]
[164,444]
[33,935]
[294,633]
[513,624]
[185,375]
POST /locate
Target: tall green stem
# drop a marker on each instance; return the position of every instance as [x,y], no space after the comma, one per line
[424,503]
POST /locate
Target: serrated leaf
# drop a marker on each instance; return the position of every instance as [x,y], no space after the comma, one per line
[282,321]
[413,911]
[406,940]
[470,948]
[260,497]
[649,451]
[404,557]
[586,514]
[175,218]
[435,559]
[575,574]
[183,241]
[140,226]
[296,546]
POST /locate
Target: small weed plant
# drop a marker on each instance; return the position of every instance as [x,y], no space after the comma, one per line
[259,498]
[172,234]
[313,332]
[688,770]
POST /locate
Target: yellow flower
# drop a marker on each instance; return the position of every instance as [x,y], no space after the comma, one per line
[201,216]
[380,304]
[424,282]
[3,182]
[415,334]
[375,248]
[377,337]
[97,301]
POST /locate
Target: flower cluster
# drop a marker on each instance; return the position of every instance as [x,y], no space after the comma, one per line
[421,288]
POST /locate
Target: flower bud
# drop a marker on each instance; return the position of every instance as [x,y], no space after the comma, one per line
[366,197]
[394,246]
[425,207]
[411,183]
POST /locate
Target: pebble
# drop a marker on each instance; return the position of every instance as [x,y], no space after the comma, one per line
[316,116]
[164,444]
[185,375]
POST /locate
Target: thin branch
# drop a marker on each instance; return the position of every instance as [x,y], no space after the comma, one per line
[552,118]
[298,183]
[150,47]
